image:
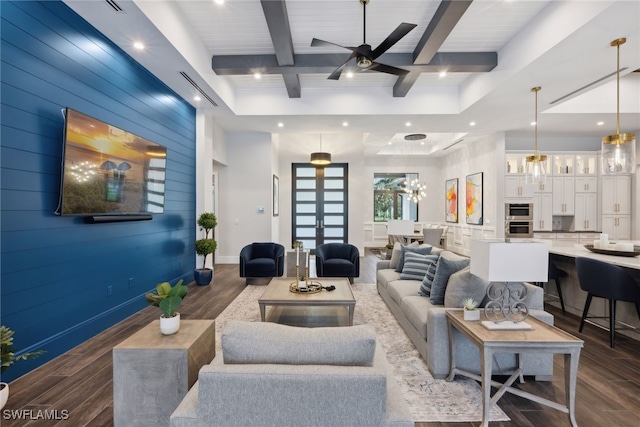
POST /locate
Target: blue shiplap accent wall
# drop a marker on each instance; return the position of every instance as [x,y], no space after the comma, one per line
[56,270]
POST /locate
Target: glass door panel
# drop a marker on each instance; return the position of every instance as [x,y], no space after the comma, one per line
[320,204]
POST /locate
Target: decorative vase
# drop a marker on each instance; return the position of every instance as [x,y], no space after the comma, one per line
[4,394]
[169,325]
[203,276]
[472,315]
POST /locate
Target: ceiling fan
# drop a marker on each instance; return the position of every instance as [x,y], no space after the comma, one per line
[364,54]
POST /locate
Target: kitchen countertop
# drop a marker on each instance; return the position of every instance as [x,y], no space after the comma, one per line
[576,249]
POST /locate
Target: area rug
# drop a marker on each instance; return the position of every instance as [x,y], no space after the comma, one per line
[430,399]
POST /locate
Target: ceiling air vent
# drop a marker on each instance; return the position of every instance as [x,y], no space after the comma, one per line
[198,88]
[455,143]
[115,6]
[415,137]
[586,86]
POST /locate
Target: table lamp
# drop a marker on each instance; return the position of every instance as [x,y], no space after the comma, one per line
[502,263]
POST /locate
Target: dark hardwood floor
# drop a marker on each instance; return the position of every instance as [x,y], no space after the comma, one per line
[79,381]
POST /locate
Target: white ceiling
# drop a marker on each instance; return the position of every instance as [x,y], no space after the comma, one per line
[559,45]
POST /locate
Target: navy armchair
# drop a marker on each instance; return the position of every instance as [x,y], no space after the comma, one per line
[337,260]
[262,260]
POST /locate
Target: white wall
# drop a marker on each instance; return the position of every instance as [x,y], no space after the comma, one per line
[245,186]
[204,171]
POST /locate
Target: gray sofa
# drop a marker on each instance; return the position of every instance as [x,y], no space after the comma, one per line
[269,374]
[426,323]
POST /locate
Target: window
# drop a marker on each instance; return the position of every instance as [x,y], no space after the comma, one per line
[390,201]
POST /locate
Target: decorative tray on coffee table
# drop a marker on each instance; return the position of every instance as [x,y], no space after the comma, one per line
[636,251]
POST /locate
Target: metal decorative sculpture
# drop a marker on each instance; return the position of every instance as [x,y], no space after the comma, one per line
[506,302]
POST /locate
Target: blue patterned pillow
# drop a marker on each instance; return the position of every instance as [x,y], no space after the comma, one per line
[422,250]
[445,268]
[425,288]
[416,265]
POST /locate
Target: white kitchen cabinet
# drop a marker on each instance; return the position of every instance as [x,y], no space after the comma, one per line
[586,164]
[618,227]
[544,187]
[616,195]
[542,217]
[563,164]
[515,163]
[586,184]
[586,212]
[516,187]
[563,195]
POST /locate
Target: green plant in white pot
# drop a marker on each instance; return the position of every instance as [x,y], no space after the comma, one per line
[207,221]
[8,358]
[471,311]
[168,299]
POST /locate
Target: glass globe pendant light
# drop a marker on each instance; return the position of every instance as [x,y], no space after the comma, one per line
[536,165]
[618,150]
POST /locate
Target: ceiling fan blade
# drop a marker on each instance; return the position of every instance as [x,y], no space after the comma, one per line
[335,75]
[401,31]
[317,42]
[376,66]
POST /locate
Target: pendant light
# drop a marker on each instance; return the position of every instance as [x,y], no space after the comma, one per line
[618,150]
[320,158]
[536,167]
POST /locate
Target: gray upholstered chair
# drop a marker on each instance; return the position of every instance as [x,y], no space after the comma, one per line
[432,236]
[337,260]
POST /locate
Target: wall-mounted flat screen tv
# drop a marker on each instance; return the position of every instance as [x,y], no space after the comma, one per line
[109,171]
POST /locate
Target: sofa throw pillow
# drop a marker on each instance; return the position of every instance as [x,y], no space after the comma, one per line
[271,343]
[425,287]
[463,285]
[395,254]
[425,250]
[416,265]
[446,267]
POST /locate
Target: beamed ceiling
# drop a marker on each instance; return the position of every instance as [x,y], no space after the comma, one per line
[493,52]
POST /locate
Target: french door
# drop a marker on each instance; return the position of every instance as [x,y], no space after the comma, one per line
[319,204]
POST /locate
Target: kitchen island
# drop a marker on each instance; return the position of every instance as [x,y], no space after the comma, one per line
[563,254]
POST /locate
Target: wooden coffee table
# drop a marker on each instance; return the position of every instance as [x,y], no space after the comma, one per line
[541,338]
[278,294]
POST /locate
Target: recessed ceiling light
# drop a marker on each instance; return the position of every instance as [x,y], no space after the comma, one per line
[422,143]
[349,74]
[197,98]
[533,123]
[219,1]
[443,74]
[345,124]
[600,123]
[472,123]
[280,125]
[407,124]
[138,45]
[389,142]
[257,76]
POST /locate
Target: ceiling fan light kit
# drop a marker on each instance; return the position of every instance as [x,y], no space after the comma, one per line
[536,170]
[619,149]
[364,55]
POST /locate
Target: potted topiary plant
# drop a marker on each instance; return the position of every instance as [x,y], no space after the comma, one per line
[8,358]
[168,299]
[471,311]
[207,222]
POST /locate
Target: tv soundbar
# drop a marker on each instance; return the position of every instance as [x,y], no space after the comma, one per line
[99,219]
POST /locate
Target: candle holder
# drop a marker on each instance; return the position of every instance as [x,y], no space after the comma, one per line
[305,286]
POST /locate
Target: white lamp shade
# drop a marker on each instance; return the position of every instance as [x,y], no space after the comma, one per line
[495,260]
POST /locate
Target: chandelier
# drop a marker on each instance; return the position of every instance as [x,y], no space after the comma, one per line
[618,150]
[536,172]
[415,190]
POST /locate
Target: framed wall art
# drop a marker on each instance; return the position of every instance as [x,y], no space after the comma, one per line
[451,200]
[474,199]
[276,196]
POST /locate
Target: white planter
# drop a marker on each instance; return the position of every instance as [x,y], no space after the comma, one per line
[471,315]
[170,325]
[4,394]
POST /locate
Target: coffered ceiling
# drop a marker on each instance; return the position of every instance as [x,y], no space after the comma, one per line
[562,46]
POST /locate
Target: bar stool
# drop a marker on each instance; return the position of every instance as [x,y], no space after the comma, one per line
[604,280]
[555,273]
